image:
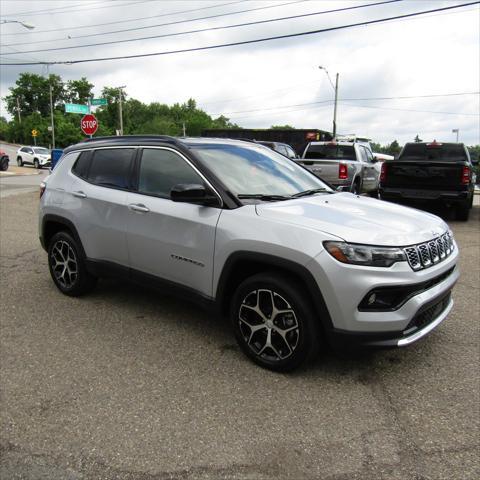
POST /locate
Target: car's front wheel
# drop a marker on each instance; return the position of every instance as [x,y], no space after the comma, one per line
[36,163]
[19,161]
[67,266]
[274,322]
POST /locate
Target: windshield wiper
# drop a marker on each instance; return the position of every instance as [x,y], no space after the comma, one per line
[262,196]
[311,192]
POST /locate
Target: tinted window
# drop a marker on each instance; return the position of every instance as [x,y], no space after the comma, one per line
[434,151]
[161,170]
[111,167]
[80,168]
[330,152]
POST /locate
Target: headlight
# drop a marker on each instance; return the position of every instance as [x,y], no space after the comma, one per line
[364,254]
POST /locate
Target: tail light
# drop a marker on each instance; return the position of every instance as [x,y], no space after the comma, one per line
[383,172]
[465,176]
[43,187]
[342,171]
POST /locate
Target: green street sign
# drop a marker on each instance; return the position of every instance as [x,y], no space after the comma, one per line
[99,101]
[76,108]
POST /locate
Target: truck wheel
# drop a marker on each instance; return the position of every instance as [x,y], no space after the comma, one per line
[19,161]
[274,322]
[462,211]
[355,188]
[67,266]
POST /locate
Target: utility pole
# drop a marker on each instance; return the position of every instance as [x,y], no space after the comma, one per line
[335,108]
[18,111]
[120,111]
[456,130]
[52,123]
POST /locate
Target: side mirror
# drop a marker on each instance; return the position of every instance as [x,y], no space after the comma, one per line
[193,193]
[374,159]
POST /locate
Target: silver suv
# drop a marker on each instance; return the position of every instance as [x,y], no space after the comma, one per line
[253,235]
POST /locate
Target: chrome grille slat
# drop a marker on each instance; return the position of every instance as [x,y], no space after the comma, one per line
[426,254]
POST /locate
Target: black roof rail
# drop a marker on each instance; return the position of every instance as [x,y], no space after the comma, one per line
[120,138]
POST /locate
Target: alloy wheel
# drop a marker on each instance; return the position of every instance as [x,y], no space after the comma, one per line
[64,264]
[268,325]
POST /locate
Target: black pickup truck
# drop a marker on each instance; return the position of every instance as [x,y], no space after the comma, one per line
[431,172]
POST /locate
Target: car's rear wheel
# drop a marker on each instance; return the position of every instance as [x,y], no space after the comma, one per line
[36,163]
[19,161]
[274,323]
[67,266]
[4,164]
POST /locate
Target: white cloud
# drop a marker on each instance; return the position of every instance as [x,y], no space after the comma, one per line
[433,55]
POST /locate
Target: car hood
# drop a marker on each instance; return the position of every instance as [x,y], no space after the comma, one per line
[357,219]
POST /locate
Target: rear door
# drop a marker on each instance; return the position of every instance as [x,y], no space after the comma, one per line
[97,197]
[170,240]
[369,172]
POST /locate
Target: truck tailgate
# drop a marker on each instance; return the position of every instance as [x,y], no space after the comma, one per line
[325,169]
[423,175]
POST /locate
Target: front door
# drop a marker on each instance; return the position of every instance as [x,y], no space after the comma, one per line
[170,240]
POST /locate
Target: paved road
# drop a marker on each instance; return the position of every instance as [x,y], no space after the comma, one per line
[127,384]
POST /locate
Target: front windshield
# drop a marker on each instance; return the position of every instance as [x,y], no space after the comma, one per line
[256,170]
[41,151]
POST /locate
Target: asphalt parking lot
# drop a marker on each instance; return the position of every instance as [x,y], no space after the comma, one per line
[128,384]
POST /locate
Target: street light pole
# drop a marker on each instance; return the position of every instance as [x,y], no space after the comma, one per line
[335,88]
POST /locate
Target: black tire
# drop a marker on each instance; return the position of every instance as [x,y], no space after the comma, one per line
[462,211]
[36,163]
[4,164]
[19,161]
[355,189]
[286,351]
[63,252]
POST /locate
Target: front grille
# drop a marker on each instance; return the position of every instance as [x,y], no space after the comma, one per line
[428,314]
[426,254]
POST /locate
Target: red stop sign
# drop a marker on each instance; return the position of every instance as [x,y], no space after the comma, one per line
[89,124]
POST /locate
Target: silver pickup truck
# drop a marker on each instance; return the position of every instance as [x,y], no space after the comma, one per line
[348,165]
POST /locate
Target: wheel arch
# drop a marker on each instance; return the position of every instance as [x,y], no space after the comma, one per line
[244,264]
[52,224]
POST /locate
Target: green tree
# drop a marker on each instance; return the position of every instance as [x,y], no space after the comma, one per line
[417,139]
[282,127]
[78,91]
[393,149]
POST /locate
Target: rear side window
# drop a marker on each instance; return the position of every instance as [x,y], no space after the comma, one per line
[331,152]
[161,170]
[80,168]
[111,167]
[447,152]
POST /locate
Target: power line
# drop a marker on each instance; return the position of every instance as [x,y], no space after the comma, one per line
[349,100]
[246,42]
[208,29]
[69,9]
[408,110]
[159,16]
[32,12]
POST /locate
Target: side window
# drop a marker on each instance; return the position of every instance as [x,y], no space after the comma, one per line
[369,155]
[363,153]
[290,153]
[281,149]
[111,167]
[80,168]
[161,170]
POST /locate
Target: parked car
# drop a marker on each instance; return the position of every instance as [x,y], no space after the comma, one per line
[431,172]
[3,161]
[39,157]
[253,235]
[281,148]
[346,165]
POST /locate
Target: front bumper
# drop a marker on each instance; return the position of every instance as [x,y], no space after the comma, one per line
[345,286]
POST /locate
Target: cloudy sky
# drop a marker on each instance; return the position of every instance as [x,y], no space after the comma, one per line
[429,57]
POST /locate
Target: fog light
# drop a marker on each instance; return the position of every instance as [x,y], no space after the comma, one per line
[371,299]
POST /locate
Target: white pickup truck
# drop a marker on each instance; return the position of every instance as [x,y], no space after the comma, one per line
[349,166]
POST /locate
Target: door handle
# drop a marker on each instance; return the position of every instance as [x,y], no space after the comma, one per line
[79,194]
[138,207]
